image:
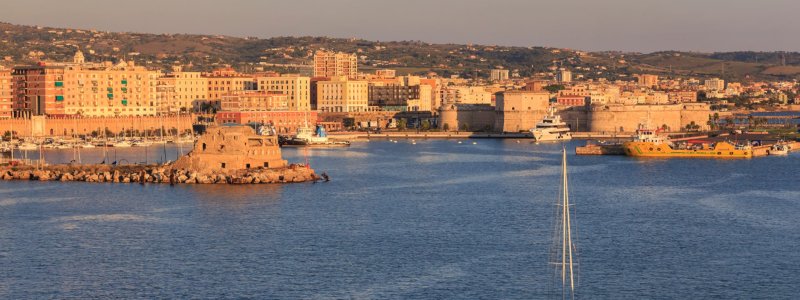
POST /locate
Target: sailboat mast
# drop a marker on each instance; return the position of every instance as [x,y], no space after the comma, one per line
[566,232]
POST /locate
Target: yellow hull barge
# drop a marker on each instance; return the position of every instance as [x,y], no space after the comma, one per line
[718,150]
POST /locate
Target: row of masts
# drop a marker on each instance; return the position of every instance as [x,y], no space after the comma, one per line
[77,150]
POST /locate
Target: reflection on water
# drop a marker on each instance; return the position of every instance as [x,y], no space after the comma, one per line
[431,220]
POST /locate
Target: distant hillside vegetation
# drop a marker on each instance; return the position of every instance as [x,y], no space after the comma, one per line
[29,44]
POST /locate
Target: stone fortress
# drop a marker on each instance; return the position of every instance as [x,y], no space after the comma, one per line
[229,148]
[517,111]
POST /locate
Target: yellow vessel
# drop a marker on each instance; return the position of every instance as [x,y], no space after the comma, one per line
[649,143]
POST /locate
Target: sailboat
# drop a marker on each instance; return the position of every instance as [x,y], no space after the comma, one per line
[563,252]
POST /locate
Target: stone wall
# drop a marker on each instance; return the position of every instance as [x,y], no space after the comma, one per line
[626,118]
[40,126]
[466,116]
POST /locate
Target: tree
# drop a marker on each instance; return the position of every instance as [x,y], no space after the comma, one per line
[425,125]
[446,127]
[554,88]
[402,124]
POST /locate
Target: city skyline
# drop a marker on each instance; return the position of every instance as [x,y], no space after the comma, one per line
[624,25]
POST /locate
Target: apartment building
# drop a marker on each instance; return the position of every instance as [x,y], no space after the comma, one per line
[342,95]
[296,88]
[5,94]
[334,64]
[80,88]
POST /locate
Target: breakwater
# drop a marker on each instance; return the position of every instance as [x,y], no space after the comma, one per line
[164,174]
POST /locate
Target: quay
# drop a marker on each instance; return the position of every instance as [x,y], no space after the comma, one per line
[464,135]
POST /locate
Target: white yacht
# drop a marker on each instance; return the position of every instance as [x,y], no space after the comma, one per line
[551,128]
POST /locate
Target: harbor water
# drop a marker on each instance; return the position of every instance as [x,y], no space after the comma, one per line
[437,219]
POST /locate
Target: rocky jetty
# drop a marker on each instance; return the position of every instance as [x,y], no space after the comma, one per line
[157,174]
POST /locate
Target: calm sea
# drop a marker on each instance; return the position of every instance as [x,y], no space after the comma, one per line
[435,220]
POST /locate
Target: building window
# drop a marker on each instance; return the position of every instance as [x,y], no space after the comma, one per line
[222,165]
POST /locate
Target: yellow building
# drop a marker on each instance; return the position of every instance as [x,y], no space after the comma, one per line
[190,91]
[296,88]
[465,95]
[332,64]
[254,101]
[85,89]
[225,80]
[647,80]
[5,94]
[342,95]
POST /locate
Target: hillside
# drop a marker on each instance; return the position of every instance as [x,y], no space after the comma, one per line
[29,44]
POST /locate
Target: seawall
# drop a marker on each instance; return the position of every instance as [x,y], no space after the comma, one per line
[156,174]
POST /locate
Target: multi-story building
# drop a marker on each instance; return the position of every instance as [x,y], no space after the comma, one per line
[498,75]
[564,76]
[5,94]
[190,91]
[342,95]
[393,97]
[296,88]
[466,95]
[254,101]
[682,96]
[86,89]
[225,80]
[385,73]
[333,64]
[435,98]
[647,80]
[714,84]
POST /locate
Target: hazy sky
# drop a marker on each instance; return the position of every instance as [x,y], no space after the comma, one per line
[635,25]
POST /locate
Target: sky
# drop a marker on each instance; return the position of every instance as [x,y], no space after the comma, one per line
[593,25]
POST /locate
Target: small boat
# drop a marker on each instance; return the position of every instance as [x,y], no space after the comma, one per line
[63,146]
[306,137]
[27,147]
[122,144]
[86,145]
[779,149]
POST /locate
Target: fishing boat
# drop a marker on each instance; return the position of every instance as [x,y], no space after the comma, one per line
[563,252]
[551,128]
[652,143]
[779,149]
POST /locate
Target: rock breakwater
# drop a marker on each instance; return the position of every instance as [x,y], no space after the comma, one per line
[157,174]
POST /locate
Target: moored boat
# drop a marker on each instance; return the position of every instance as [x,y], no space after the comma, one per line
[305,137]
[650,143]
[779,149]
[551,128]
